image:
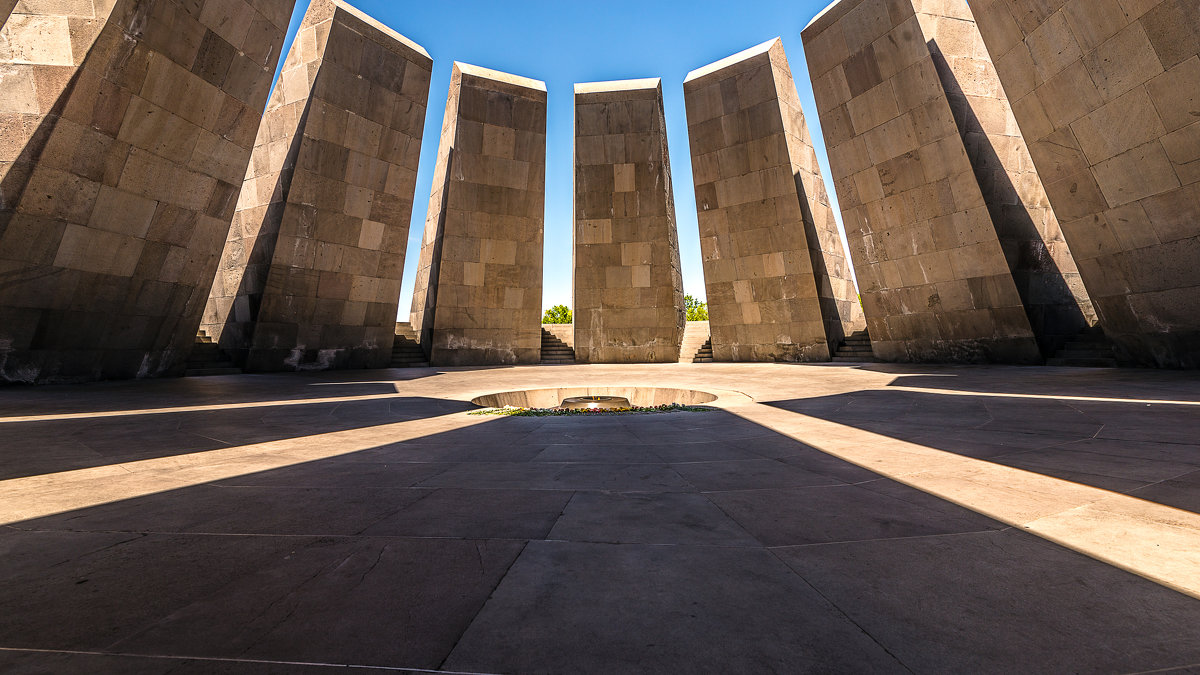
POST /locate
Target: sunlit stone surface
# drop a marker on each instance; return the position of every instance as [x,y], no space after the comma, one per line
[1047,278]
[478,290]
[1108,96]
[938,257]
[778,282]
[310,277]
[125,131]
[628,283]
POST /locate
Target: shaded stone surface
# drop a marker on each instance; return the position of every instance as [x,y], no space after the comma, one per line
[936,282]
[310,276]
[1107,93]
[778,282]
[681,542]
[1047,278]
[126,130]
[478,293]
[628,283]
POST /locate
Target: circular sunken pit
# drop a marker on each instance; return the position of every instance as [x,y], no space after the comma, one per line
[595,403]
[640,397]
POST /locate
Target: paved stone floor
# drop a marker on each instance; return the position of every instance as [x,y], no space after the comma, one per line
[1008,520]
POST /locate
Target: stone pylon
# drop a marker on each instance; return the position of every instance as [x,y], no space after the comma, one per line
[1055,299]
[628,282]
[310,276]
[1108,96]
[126,130]
[778,282]
[478,292]
[958,258]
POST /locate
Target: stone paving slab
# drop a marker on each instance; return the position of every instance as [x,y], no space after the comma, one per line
[40,663]
[393,530]
[1000,602]
[661,519]
[571,607]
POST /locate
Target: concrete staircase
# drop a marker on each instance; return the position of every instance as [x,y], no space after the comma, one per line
[704,353]
[208,359]
[555,351]
[406,348]
[1089,349]
[696,337]
[856,348]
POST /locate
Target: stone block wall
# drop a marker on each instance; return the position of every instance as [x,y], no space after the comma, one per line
[1047,278]
[478,293]
[310,276]
[778,282]
[935,282]
[125,132]
[1107,94]
[628,281]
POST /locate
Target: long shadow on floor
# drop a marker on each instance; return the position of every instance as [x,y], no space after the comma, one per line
[656,543]
[115,396]
[1150,451]
[43,447]
[1121,383]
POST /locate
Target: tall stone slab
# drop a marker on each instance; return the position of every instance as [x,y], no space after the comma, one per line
[1107,94]
[125,131]
[310,276]
[478,292]
[628,281]
[778,282]
[935,280]
[1042,266]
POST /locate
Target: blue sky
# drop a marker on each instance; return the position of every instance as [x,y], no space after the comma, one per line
[562,42]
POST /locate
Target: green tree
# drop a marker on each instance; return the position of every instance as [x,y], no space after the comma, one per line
[557,314]
[696,310]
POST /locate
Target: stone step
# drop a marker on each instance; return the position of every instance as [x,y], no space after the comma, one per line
[207,358]
[705,359]
[1084,354]
[555,352]
[855,348]
[205,372]
[1095,342]
[850,359]
[1097,362]
[1099,344]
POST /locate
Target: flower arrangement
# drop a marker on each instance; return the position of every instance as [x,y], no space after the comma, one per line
[513,411]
